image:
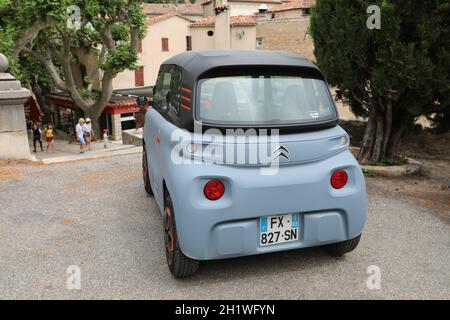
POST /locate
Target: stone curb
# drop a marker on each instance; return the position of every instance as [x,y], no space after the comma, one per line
[412,168]
[82,157]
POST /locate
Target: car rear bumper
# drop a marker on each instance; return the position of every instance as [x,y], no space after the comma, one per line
[229,227]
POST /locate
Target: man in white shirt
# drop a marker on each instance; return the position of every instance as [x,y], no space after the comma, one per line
[80,134]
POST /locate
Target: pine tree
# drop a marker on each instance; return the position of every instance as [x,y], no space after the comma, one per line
[393,74]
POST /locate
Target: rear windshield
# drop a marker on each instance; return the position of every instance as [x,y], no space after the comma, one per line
[275,98]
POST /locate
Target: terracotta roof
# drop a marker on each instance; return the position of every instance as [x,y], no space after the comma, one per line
[293,5]
[234,21]
[253,1]
[65,100]
[222,6]
[163,8]
[156,19]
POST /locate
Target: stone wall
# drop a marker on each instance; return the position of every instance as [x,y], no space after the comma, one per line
[286,35]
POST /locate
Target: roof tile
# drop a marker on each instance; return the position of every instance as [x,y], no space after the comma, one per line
[234,21]
[163,8]
[293,5]
[156,19]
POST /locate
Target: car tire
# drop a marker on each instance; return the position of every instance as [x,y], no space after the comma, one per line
[341,248]
[145,173]
[180,265]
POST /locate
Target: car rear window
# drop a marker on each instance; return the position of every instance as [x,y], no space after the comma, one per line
[264,98]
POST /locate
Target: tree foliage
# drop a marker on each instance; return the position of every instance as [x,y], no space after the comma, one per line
[392,75]
[82,59]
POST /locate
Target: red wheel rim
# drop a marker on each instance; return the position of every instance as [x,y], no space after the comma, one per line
[169,240]
[167,217]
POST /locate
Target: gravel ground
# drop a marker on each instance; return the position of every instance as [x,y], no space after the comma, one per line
[95,214]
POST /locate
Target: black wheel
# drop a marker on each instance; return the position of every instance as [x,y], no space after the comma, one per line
[145,173]
[180,265]
[341,248]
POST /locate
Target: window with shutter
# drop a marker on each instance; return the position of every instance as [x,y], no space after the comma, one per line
[188,43]
[139,77]
[165,44]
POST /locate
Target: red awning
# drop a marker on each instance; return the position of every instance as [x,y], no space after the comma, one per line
[33,111]
[117,105]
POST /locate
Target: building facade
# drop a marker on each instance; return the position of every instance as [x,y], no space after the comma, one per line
[172,29]
[167,35]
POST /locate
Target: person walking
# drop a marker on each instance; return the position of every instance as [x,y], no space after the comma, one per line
[49,133]
[37,134]
[79,131]
[88,133]
[105,138]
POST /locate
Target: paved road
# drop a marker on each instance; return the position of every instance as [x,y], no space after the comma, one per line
[95,214]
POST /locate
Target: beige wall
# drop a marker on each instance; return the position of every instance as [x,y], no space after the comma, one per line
[247,42]
[175,29]
[222,39]
[286,35]
[201,40]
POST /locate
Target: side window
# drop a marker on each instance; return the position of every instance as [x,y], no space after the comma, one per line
[167,93]
[175,90]
[162,93]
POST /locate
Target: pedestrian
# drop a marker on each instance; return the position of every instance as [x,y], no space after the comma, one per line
[105,138]
[49,133]
[80,134]
[88,133]
[37,134]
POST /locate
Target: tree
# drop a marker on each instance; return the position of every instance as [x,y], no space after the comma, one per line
[391,75]
[30,72]
[83,44]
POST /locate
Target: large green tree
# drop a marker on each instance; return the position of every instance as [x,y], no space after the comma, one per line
[82,44]
[393,74]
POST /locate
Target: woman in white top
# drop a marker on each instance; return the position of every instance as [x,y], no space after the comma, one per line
[88,133]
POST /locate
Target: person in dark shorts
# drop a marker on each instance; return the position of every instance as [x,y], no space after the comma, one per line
[37,134]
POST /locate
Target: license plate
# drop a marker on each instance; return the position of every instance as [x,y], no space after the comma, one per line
[278,229]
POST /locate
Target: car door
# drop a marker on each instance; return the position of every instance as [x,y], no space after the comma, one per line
[165,110]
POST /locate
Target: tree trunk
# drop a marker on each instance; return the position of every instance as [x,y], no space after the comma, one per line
[394,144]
[381,141]
[96,127]
[379,137]
[368,139]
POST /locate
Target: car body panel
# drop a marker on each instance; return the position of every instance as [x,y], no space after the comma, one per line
[229,227]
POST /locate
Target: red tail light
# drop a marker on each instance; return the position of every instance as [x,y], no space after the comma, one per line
[214,190]
[339,179]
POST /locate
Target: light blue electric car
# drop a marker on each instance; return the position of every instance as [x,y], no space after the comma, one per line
[244,155]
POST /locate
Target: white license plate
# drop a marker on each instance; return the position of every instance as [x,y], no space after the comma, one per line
[278,229]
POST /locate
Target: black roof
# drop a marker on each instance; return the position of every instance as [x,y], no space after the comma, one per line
[197,62]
